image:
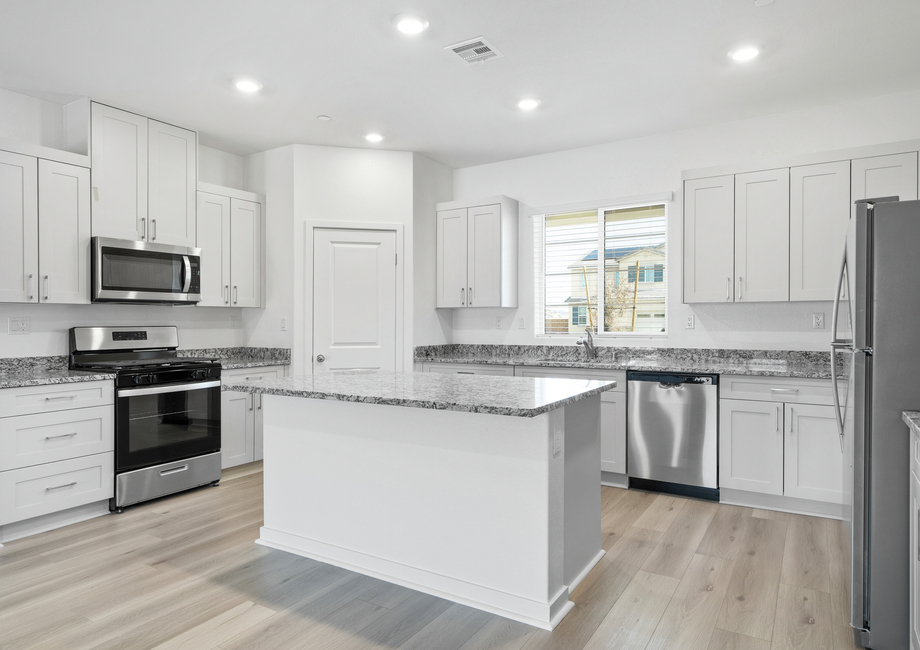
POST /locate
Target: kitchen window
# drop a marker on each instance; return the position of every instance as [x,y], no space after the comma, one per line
[632,275]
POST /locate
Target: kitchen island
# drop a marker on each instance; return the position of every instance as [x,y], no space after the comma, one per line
[482,490]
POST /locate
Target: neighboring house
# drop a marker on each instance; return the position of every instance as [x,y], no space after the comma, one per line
[630,305]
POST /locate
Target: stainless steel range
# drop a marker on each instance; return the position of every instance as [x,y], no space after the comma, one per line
[167,409]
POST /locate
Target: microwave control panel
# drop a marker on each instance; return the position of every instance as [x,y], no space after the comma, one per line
[195,285]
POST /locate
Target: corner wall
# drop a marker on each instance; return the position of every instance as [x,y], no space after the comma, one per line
[653,165]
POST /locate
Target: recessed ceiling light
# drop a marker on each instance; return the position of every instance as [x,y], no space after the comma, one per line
[528,104]
[744,53]
[373,137]
[409,24]
[247,85]
[323,118]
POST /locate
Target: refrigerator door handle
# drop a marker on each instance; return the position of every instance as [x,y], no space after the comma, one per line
[838,344]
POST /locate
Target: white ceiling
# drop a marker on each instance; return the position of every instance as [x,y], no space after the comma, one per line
[606,70]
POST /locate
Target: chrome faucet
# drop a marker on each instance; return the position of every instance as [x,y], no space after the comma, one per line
[588,342]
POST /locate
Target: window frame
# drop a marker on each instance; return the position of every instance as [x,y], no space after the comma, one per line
[639,269]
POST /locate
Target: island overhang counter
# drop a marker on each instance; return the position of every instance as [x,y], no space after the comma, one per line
[480,489]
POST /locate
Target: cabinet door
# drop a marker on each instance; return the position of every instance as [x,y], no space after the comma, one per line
[613,432]
[762,236]
[914,562]
[894,175]
[172,184]
[63,233]
[451,258]
[813,459]
[19,219]
[214,242]
[751,446]
[257,428]
[236,428]
[246,253]
[819,211]
[119,173]
[709,218]
[484,256]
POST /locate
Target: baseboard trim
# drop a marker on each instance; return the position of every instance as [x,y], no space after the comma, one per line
[612,479]
[545,615]
[584,572]
[44,523]
[781,503]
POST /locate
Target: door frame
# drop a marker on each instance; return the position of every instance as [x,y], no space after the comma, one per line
[307,335]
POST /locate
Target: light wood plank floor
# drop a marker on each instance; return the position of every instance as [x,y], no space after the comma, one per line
[183,572]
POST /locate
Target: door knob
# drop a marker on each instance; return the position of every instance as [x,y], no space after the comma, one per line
[320,358]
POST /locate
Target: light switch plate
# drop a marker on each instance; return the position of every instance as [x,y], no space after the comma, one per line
[557,441]
[284,324]
[18,325]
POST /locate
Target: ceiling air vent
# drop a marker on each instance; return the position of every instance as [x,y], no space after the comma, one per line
[475,50]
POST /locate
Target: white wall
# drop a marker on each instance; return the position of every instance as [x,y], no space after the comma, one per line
[220,168]
[432,183]
[30,120]
[652,165]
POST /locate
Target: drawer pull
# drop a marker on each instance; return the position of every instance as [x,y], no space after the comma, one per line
[173,470]
[784,391]
[63,435]
[58,487]
[53,399]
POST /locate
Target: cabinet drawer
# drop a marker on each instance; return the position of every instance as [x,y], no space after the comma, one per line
[470,369]
[42,489]
[56,397]
[253,374]
[791,390]
[619,376]
[47,437]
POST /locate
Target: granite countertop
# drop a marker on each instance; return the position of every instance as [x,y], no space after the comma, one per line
[232,363]
[912,419]
[47,376]
[514,396]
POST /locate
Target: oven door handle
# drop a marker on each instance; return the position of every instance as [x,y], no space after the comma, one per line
[188,273]
[172,388]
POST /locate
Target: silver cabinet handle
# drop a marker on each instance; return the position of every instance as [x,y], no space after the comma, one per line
[236,293]
[47,286]
[462,296]
[31,286]
[225,294]
[58,487]
[776,418]
[252,399]
[53,399]
[728,288]
[63,435]
[791,420]
[740,286]
[260,401]
[465,372]
[153,230]
[143,228]
[173,470]
[320,358]
[784,391]
[469,293]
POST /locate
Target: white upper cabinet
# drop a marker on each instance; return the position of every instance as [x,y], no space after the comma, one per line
[214,242]
[246,253]
[19,216]
[477,254]
[144,178]
[709,223]
[63,233]
[762,236]
[892,175]
[172,184]
[44,250]
[119,173]
[819,211]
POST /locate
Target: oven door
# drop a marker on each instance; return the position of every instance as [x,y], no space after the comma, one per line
[158,424]
[134,271]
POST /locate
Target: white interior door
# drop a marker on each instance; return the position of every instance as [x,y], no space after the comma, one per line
[354,300]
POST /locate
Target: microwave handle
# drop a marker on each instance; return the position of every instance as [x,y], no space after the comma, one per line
[188,274]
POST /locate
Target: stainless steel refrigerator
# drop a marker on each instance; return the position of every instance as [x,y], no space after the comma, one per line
[876,319]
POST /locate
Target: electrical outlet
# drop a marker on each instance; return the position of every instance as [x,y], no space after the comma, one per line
[557,441]
[284,324]
[817,321]
[498,322]
[233,322]
[689,322]
[521,324]
[18,325]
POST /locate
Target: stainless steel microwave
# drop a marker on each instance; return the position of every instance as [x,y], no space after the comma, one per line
[140,272]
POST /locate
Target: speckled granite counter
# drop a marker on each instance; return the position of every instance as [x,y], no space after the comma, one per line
[233,358]
[43,371]
[515,396]
[765,363]
[912,419]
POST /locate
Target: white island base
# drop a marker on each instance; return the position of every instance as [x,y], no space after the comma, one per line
[475,508]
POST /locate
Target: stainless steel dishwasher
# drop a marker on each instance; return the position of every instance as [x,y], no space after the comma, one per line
[672,429]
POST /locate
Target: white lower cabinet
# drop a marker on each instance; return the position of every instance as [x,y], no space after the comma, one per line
[241,417]
[782,443]
[56,448]
[914,542]
[470,369]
